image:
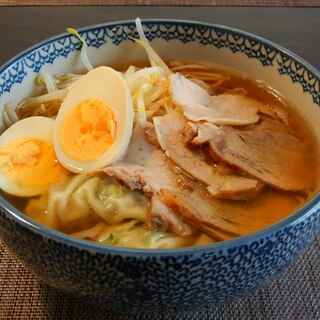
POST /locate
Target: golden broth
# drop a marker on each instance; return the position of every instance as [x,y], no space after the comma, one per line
[269,206]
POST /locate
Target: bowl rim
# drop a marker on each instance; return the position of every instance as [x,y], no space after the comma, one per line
[35,227]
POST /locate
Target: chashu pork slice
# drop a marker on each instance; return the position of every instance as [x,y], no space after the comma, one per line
[162,217]
[173,201]
[146,168]
[170,132]
[220,219]
[277,158]
[234,187]
[225,109]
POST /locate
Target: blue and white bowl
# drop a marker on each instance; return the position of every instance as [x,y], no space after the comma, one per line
[187,279]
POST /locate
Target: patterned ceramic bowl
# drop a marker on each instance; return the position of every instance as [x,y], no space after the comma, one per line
[167,280]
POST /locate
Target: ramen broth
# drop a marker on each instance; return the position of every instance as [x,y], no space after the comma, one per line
[268,207]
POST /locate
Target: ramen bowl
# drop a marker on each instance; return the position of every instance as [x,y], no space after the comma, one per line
[171,280]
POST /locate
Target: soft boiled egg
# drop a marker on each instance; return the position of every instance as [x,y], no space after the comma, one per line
[94,124]
[28,164]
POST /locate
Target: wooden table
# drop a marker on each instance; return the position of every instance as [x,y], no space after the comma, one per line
[295,295]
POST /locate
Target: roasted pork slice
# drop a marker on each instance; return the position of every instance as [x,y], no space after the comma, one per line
[267,124]
[218,218]
[185,92]
[276,158]
[151,181]
[225,109]
[170,131]
[161,217]
[156,177]
[234,187]
[202,133]
[275,112]
[145,167]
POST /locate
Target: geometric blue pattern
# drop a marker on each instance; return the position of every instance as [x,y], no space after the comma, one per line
[206,34]
[159,281]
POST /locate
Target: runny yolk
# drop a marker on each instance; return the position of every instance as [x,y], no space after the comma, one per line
[30,162]
[88,130]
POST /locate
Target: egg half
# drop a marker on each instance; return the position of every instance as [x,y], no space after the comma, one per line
[94,124]
[28,164]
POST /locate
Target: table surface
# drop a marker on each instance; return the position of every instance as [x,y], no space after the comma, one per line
[295,293]
[277,3]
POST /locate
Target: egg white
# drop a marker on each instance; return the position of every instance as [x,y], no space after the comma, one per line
[34,127]
[108,85]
